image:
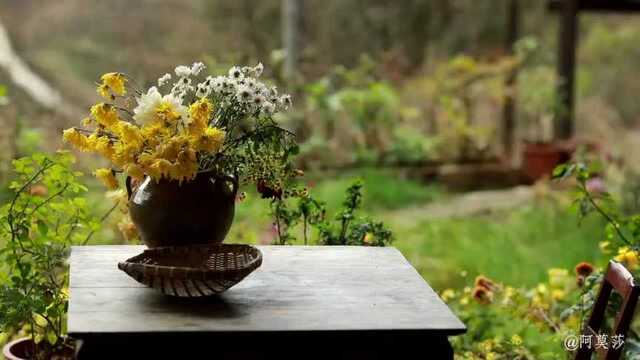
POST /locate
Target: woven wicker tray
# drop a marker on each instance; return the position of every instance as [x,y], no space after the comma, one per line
[193,271]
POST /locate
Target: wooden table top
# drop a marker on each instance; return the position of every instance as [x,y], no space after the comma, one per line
[297,289]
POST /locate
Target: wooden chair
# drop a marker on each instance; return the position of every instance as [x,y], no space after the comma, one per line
[616,278]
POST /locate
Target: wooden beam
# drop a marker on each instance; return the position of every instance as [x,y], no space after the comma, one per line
[566,69]
[509,110]
[599,5]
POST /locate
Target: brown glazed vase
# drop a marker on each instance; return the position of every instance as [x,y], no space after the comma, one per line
[167,213]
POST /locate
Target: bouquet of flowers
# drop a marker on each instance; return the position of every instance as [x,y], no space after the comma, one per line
[189,124]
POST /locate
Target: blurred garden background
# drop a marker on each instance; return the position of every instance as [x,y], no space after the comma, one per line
[412,97]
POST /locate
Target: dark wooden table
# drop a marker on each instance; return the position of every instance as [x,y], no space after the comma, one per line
[313,302]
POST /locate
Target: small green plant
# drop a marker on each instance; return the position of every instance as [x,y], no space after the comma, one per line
[347,229]
[46,214]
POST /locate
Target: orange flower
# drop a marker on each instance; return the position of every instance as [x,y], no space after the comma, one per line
[584,269]
[485,282]
[482,295]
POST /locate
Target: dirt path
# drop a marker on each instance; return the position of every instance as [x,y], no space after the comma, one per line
[472,203]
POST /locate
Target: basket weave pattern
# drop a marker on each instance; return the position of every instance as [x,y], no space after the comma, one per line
[193,271]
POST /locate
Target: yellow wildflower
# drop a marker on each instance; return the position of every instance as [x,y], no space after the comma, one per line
[76,139]
[124,154]
[199,112]
[114,81]
[159,168]
[103,90]
[107,178]
[516,340]
[447,295]
[558,294]
[186,166]
[169,111]
[102,145]
[130,134]
[604,247]
[212,140]
[135,171]
[128,230]
[628,257]
[105,114]
[558,278]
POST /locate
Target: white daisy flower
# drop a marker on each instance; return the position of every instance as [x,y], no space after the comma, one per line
[244,94]
[268,108]
[217,83]
[164,79]
[285,101]
[196,68]
[258,100]
[257,70]
[147,104]
[183,71]
[236,73]
[202,90]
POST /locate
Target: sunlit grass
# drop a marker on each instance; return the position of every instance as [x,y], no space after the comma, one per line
[516,247]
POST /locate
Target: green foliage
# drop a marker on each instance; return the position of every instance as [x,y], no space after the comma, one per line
[620,229]
[348,228]
[352,113]
[3,95]
[45,216]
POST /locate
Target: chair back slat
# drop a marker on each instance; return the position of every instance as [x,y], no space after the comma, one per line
[616,278]
[620,278]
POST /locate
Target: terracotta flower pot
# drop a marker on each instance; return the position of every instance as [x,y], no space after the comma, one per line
[541,158]
[200,211]
[20,349]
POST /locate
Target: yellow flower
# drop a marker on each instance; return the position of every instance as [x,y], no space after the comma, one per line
[171,110]
[128,230]
[107,178]
[541,288]
[558,278]
[105,114]
[159,168]
[130,134]
[447,295]
[103,90]
[186,165]
[628,257]
[516,340]
[114,81]
[212,140]
[102,145]
[134,170]
[124,154]
[199,112]
[557,294]
[76,139]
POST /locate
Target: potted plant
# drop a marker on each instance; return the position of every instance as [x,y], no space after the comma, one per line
[45,215]
[186,146]
[539,104]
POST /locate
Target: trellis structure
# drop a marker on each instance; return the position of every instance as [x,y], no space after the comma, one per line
[569,11]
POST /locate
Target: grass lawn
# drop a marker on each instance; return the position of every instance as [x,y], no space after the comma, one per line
[516,247]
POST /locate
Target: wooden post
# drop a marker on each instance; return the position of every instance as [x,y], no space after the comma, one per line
[566,69]
[509,111]
[291,23]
